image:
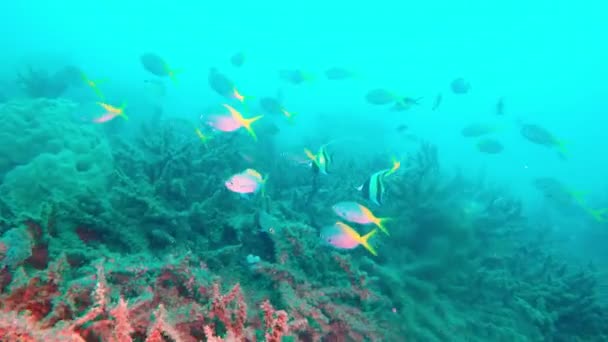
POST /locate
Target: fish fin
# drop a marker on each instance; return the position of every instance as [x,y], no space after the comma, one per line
[172,73]
[236,94]
[247,123]
[93,84]
[291,119]
[264,180]
[599,215]
[290,116]
[365,243]
[310,155]
[122,111]
[396,166]
[381,223]
[204,138]
[579,196]
[98,93]
[313,159]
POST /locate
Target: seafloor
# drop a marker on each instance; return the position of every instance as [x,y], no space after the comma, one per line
[109,236]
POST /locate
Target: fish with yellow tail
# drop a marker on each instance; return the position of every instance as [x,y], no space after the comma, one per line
[236,94]
[343,236]
[156,65]
[289,115]
[373,189]
[320,161]
[249,181]
[541,136]
[357,213]
[111,112]
[202,136]
[92,84]
[231,121]
[244,122]
[599,215]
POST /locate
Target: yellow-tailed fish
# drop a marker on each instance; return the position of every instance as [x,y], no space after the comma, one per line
[358,213]
[290,116]
[599,215]
[204,138]
[156,65]
[373,189]
[93,84]
[341,235]
[236,94]
[244,122]
[246,182]
[111,112]
[320,161]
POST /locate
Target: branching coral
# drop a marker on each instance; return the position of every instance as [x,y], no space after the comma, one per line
[39,83]
[460,262]
[51,319]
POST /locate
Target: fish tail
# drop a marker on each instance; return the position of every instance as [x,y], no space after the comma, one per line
[172,77]
[290,115]
[365,241]
[394,168]
[310,155]
[381,223]
[98,93]
[247,124]
[172,73]
[237,95]
[599,215]
[263,185]
[201,136]
[122,111]
[291,118]
[579,196]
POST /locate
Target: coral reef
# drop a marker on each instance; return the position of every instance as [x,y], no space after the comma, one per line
[39,83]
[84,309]
[461,261]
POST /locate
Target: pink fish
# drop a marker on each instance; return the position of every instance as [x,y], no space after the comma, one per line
[341,235]
[224,123]
[111,112]
[105,118]
[357,213]
[245,123]
[232,121]
[246,182]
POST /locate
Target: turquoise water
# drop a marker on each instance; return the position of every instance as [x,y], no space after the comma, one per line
[465,213]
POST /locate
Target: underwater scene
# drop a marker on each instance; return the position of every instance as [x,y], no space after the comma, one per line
[303,171]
